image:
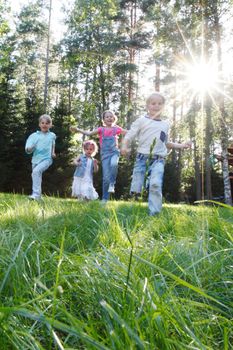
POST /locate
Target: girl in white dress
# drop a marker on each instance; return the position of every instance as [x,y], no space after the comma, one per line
[86,165]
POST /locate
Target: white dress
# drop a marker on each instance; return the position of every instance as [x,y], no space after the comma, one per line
[82,187]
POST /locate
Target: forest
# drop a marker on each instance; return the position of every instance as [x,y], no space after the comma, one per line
[103,61]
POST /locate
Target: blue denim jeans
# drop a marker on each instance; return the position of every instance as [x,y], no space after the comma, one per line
[109,170]
[155,180]
[37,171]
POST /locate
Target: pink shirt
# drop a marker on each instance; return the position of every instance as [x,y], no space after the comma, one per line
[109,132]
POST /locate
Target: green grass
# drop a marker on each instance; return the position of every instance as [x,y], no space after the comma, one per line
[83,276]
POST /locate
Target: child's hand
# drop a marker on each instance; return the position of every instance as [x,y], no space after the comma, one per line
[187,144]
[96,167]
[30,149]
[54,155]
[125,151]
[73,129]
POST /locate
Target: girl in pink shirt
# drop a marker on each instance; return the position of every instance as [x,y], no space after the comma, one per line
[108,135]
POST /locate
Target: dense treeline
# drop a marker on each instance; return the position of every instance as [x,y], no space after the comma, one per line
[96,66]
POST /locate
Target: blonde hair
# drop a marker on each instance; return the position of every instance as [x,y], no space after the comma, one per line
[109,111]
[90,143]
[46,117]
[155,95]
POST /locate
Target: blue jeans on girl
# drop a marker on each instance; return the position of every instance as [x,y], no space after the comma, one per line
[37,171]
[109,157]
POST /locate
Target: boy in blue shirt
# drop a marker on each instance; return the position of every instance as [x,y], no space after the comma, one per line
[42,145]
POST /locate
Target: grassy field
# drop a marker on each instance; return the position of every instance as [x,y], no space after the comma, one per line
[84,276]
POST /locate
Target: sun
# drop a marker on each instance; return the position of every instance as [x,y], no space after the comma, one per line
[202,77]
[199,78]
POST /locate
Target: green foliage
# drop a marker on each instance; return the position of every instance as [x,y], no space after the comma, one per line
[66,280]
[59,176]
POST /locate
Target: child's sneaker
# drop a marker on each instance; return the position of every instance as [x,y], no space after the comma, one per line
[111,189]
[136,196]
[33,198]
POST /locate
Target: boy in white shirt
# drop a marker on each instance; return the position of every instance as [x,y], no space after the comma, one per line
[151,133]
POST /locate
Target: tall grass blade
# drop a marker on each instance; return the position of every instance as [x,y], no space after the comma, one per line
[181,281]
[11,264]
[138,342]
[53,323]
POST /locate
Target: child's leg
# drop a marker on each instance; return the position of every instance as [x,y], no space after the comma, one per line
[37,171]
[106,170]
[155,187]
[139,172]
[113,169]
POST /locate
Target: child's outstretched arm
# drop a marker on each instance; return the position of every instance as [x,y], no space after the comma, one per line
[124,131]
[85,132]
[130,135]
[176,145]
[125,148]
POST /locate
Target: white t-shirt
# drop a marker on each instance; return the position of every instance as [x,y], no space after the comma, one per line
[147,132]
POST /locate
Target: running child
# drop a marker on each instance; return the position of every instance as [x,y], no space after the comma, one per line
[151,131]
[42,146]
[109,151]
[86,165]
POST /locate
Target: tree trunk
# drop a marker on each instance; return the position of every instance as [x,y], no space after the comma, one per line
[133,20]
[157,76]
[47,59]
[193,136]
[69,91]
[208,137]
[198,189]
[223,115]
[102,83]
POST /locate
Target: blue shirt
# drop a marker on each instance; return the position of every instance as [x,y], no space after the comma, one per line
[43,143]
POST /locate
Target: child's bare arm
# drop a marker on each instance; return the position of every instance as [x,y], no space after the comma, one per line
[85,132]
[130,135]
[124,131]
[176,145]
[125,147]
[96,166]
